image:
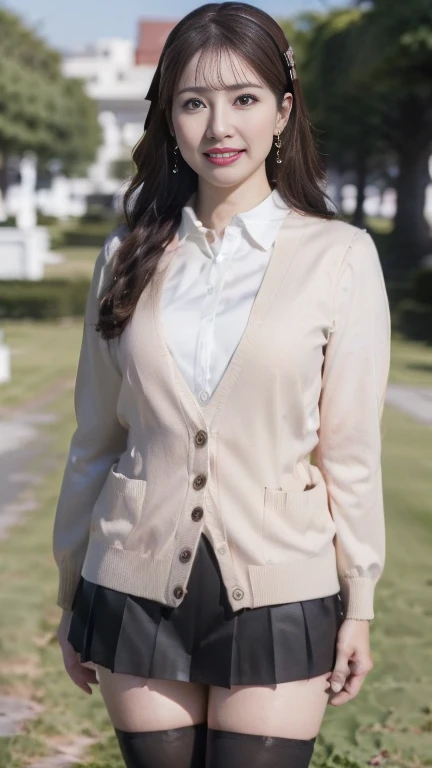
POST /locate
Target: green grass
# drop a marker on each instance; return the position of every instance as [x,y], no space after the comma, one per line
[78,262]
[379,225]
[43,356]
[411,362]
[394,709]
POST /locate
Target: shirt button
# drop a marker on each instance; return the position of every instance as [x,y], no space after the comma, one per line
[185,555]
[210,289]
[222,550]
[201,437]
[197,514]
[178,592]
[237,593]
[199,482]
[203,396]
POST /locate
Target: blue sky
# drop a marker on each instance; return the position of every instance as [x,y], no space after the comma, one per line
[66,24]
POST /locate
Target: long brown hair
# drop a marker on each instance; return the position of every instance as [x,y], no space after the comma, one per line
[154,199]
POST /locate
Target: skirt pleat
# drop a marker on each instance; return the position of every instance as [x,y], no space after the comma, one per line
[203,640]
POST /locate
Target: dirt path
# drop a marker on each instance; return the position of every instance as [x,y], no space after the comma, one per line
[414,401]
[21,442]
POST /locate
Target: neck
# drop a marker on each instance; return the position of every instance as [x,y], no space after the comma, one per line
[216,206]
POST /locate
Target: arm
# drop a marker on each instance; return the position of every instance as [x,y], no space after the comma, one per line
[354,381]
[98,440]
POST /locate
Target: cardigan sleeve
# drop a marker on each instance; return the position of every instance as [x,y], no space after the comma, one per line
[354,382]
[97,441]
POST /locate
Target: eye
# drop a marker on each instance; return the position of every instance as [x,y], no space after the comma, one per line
[247,96]
[242,96]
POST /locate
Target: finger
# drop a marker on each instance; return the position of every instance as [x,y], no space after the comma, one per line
[354,683]
[71,658]
[341,670]
[81,684]
[80,675]
[337,699]
[350,690]
[89,664]
[90,672]
[90,675]
[76,678]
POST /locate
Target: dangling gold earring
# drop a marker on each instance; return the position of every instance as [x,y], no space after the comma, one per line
[278,144]
[175,169]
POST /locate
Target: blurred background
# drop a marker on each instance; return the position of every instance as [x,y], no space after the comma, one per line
[73,77]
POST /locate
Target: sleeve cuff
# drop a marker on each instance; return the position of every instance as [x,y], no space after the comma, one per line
[69,577]
[358,598]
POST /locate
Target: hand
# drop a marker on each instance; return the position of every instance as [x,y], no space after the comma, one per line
[79,673]
[353,661]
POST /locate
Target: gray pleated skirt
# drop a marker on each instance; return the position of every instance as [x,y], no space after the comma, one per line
[203,640]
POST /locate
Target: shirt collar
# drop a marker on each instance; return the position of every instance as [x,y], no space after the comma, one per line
[261,222]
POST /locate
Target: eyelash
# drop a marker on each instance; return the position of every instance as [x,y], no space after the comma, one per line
[242,95]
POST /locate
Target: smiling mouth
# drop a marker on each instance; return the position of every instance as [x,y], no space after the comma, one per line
[224,154]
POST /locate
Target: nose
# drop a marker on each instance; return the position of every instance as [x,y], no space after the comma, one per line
[219,123]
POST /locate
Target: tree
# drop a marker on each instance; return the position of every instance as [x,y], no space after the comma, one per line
[346,113]
[399,37]
[368,82]
[40,109]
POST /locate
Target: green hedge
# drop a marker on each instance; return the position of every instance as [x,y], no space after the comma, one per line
[89,233]
[44,300]
[415,320]
[411,304]
[9,222]
[422,287]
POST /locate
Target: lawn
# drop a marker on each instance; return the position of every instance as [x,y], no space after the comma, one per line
[77,262]
[394,709]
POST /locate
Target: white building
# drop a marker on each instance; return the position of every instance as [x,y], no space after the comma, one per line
[119,87]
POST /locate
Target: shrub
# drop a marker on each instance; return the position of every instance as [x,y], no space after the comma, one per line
[43,300]
[415,320]
[89,233]
[47,221]
[422,287]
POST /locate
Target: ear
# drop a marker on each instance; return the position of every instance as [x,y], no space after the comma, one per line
[284,112]
[170,126]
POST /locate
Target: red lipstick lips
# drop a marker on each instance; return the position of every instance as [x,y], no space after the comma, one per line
[223,160]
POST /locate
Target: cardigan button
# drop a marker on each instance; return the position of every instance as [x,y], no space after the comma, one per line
[237,594]
[197,514]
[185,555]
[178,592]
[201,437]
[199,482]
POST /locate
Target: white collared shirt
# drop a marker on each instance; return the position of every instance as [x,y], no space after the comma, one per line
[210,288]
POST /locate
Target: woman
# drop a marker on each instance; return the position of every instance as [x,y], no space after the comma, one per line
[220,527]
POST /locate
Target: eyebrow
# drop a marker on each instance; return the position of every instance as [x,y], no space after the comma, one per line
[235,87]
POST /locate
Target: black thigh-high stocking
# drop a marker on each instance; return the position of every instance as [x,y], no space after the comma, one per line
[172,748]
[229,749]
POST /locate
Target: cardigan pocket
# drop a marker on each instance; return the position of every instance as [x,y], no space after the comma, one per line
[118,508]
[297,524]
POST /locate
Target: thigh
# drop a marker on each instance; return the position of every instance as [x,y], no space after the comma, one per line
[146,704]
[291,710]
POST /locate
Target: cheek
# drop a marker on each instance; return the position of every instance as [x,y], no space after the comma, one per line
[188,132]
[259,135]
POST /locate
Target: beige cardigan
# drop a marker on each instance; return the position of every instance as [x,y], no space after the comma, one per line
[150,468]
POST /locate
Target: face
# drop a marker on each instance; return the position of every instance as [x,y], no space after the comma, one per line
[243,116]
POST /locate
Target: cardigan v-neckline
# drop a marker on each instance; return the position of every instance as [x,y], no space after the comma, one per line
[278,265]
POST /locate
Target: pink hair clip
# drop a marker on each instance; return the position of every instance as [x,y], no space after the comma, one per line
[289,55]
